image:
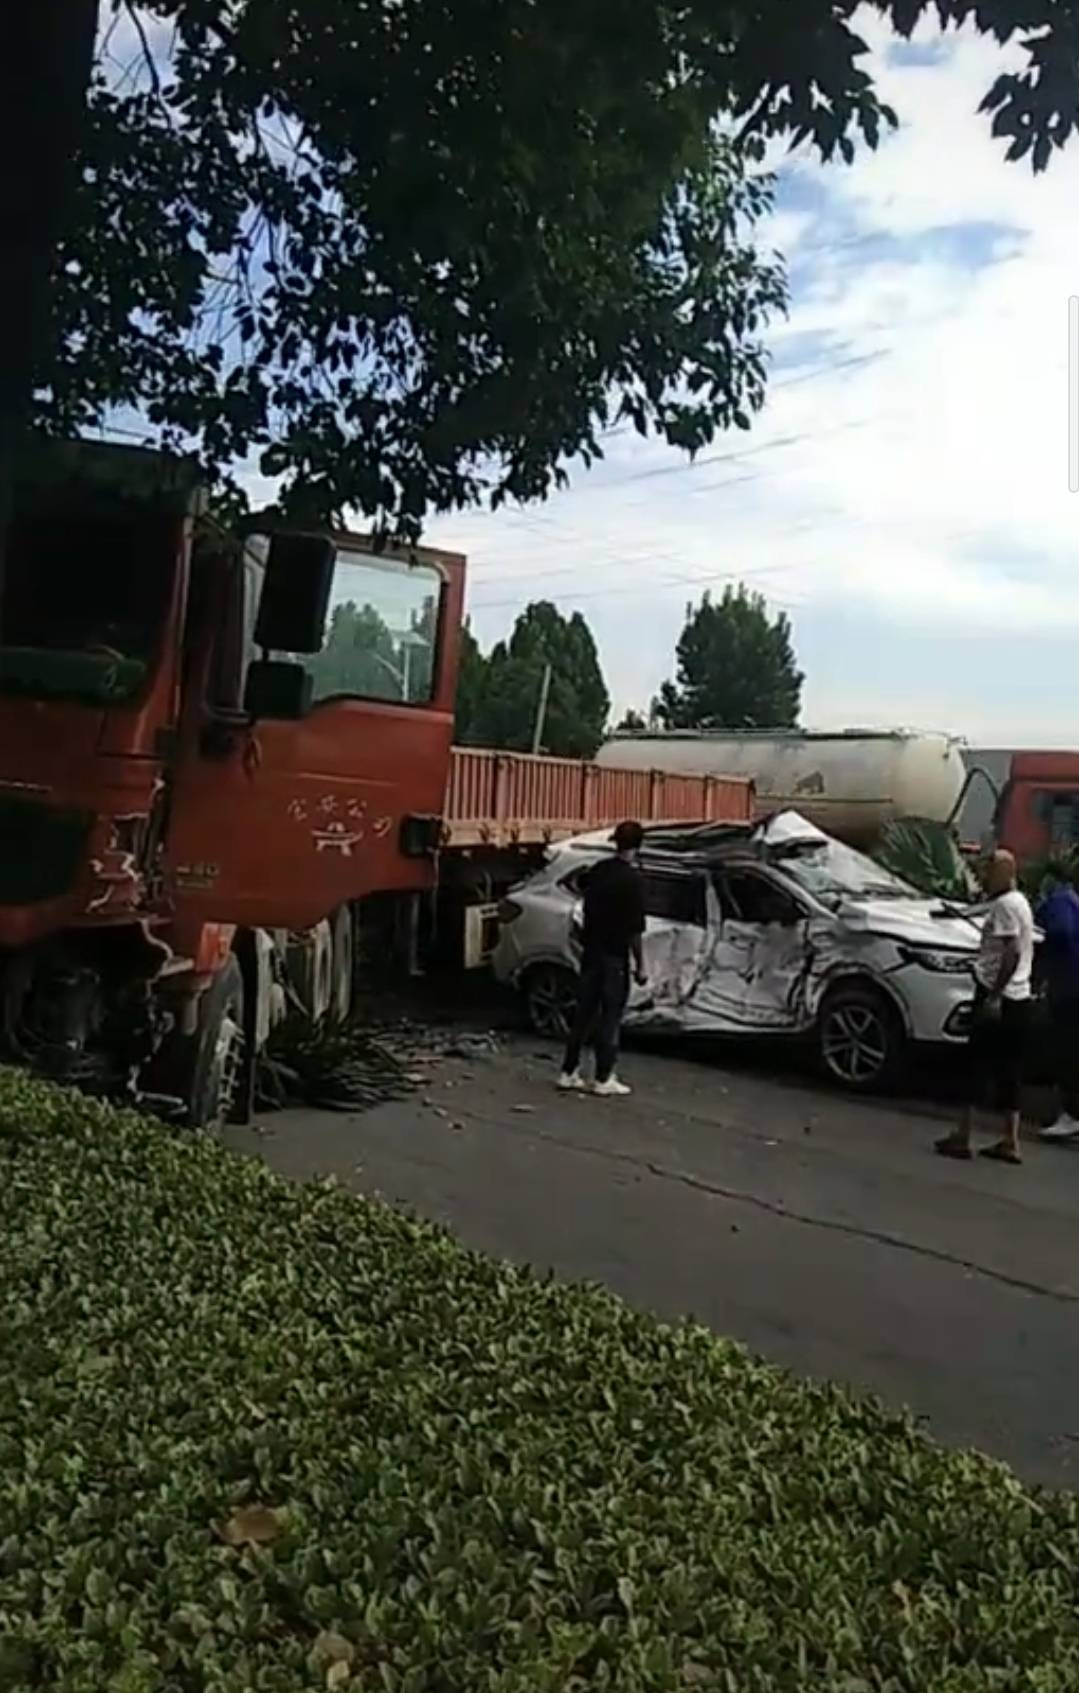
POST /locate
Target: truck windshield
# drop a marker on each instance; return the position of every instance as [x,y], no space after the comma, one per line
[382,632]
[832,872]
[87,583]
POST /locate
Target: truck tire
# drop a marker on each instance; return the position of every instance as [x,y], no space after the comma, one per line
[550,999]
[860,1038]
[342,964]
[218,1053]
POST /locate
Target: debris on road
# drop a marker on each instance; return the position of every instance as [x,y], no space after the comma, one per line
[358,1065]
[472,1045]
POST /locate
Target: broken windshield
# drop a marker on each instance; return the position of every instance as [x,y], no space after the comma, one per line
[832,872]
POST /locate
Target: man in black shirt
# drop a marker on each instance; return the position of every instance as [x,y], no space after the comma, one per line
[613,926]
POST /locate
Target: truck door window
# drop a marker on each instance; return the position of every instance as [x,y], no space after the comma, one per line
[753,899]
[382,632]
[1059,811]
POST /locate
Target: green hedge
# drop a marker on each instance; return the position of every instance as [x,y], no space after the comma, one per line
[254,1436]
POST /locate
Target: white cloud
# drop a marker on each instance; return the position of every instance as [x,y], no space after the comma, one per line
[926,487]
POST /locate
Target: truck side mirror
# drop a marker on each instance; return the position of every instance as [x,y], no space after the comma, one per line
[277,689]
[295,593]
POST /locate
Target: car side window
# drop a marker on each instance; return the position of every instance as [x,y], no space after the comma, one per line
[754,899]
[680,899]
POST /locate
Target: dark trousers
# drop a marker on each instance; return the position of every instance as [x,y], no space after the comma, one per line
[998,1051]
[1064,1033]
[601,1000]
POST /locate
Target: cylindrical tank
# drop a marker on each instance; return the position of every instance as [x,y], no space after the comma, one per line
[852,782]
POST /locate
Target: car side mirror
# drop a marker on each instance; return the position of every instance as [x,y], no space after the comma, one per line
[277,689]
[295,597]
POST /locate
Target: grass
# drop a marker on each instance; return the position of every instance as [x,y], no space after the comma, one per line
[258,1437]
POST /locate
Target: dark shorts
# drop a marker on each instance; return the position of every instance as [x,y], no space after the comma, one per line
[998,1051]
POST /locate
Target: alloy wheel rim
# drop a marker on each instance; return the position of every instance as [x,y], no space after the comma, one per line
[855,1043]
[552,1005]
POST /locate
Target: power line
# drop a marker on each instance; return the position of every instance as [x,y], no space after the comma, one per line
[646,556]
[641,588]
[580,537]
[682,467]
[620,556]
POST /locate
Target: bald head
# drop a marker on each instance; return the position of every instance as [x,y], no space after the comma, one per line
[1000,871]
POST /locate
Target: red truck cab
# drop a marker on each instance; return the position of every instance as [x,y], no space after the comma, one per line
[1038,810]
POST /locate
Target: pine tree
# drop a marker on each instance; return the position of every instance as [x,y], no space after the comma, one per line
[735,668]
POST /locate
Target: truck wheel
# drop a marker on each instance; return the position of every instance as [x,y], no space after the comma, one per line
[343,964]
[550,997]
[219,1052]
[861,1039]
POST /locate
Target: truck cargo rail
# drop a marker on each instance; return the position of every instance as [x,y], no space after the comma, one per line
[507,799]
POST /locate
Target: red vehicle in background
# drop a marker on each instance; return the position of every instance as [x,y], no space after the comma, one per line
[223,764]
[1037,814]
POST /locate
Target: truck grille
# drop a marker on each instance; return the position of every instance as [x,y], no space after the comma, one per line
[41,850]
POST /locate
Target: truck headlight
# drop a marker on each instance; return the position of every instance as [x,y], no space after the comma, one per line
[939,960]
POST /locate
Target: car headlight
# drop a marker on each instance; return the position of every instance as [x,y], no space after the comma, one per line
[939,960]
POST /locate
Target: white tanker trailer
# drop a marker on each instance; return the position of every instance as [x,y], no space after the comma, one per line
[853,783]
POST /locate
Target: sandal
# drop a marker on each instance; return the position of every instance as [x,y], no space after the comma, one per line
[949,1147]
[1001,1154]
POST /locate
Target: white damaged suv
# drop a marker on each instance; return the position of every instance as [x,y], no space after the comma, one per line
[770,929]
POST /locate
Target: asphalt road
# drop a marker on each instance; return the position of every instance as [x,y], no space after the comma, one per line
[818,1230]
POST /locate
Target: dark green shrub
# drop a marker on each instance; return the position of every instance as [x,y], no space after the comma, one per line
[261,1439]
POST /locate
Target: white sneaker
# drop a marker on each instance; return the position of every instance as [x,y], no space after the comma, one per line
[612,1088]
[1065,1128]
[571,1082]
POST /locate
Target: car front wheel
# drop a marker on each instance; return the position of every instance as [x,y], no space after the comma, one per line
[860,1038]
[550,996]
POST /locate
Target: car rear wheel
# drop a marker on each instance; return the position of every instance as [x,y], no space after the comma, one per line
[550,997]
[860,1038]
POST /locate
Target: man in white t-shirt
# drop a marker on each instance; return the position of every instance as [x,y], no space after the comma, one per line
[1000,1022]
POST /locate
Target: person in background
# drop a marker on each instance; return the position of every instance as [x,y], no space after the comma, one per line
[1058,919]
[1000,1021]
[613,893]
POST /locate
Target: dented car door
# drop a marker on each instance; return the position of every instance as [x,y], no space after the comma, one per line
[680,912]
[756,974]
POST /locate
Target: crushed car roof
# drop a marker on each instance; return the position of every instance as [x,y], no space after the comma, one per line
[703,843]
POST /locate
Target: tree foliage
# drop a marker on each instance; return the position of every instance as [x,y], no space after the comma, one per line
[498,696]
[410,256]
[471,676]
[735,667]
[631,723]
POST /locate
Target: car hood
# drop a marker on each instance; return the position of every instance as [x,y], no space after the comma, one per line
[920,922]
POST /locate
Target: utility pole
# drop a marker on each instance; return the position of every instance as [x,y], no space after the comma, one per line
[46,59]
[541,709]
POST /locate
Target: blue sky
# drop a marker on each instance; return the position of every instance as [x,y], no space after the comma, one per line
[905,492]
